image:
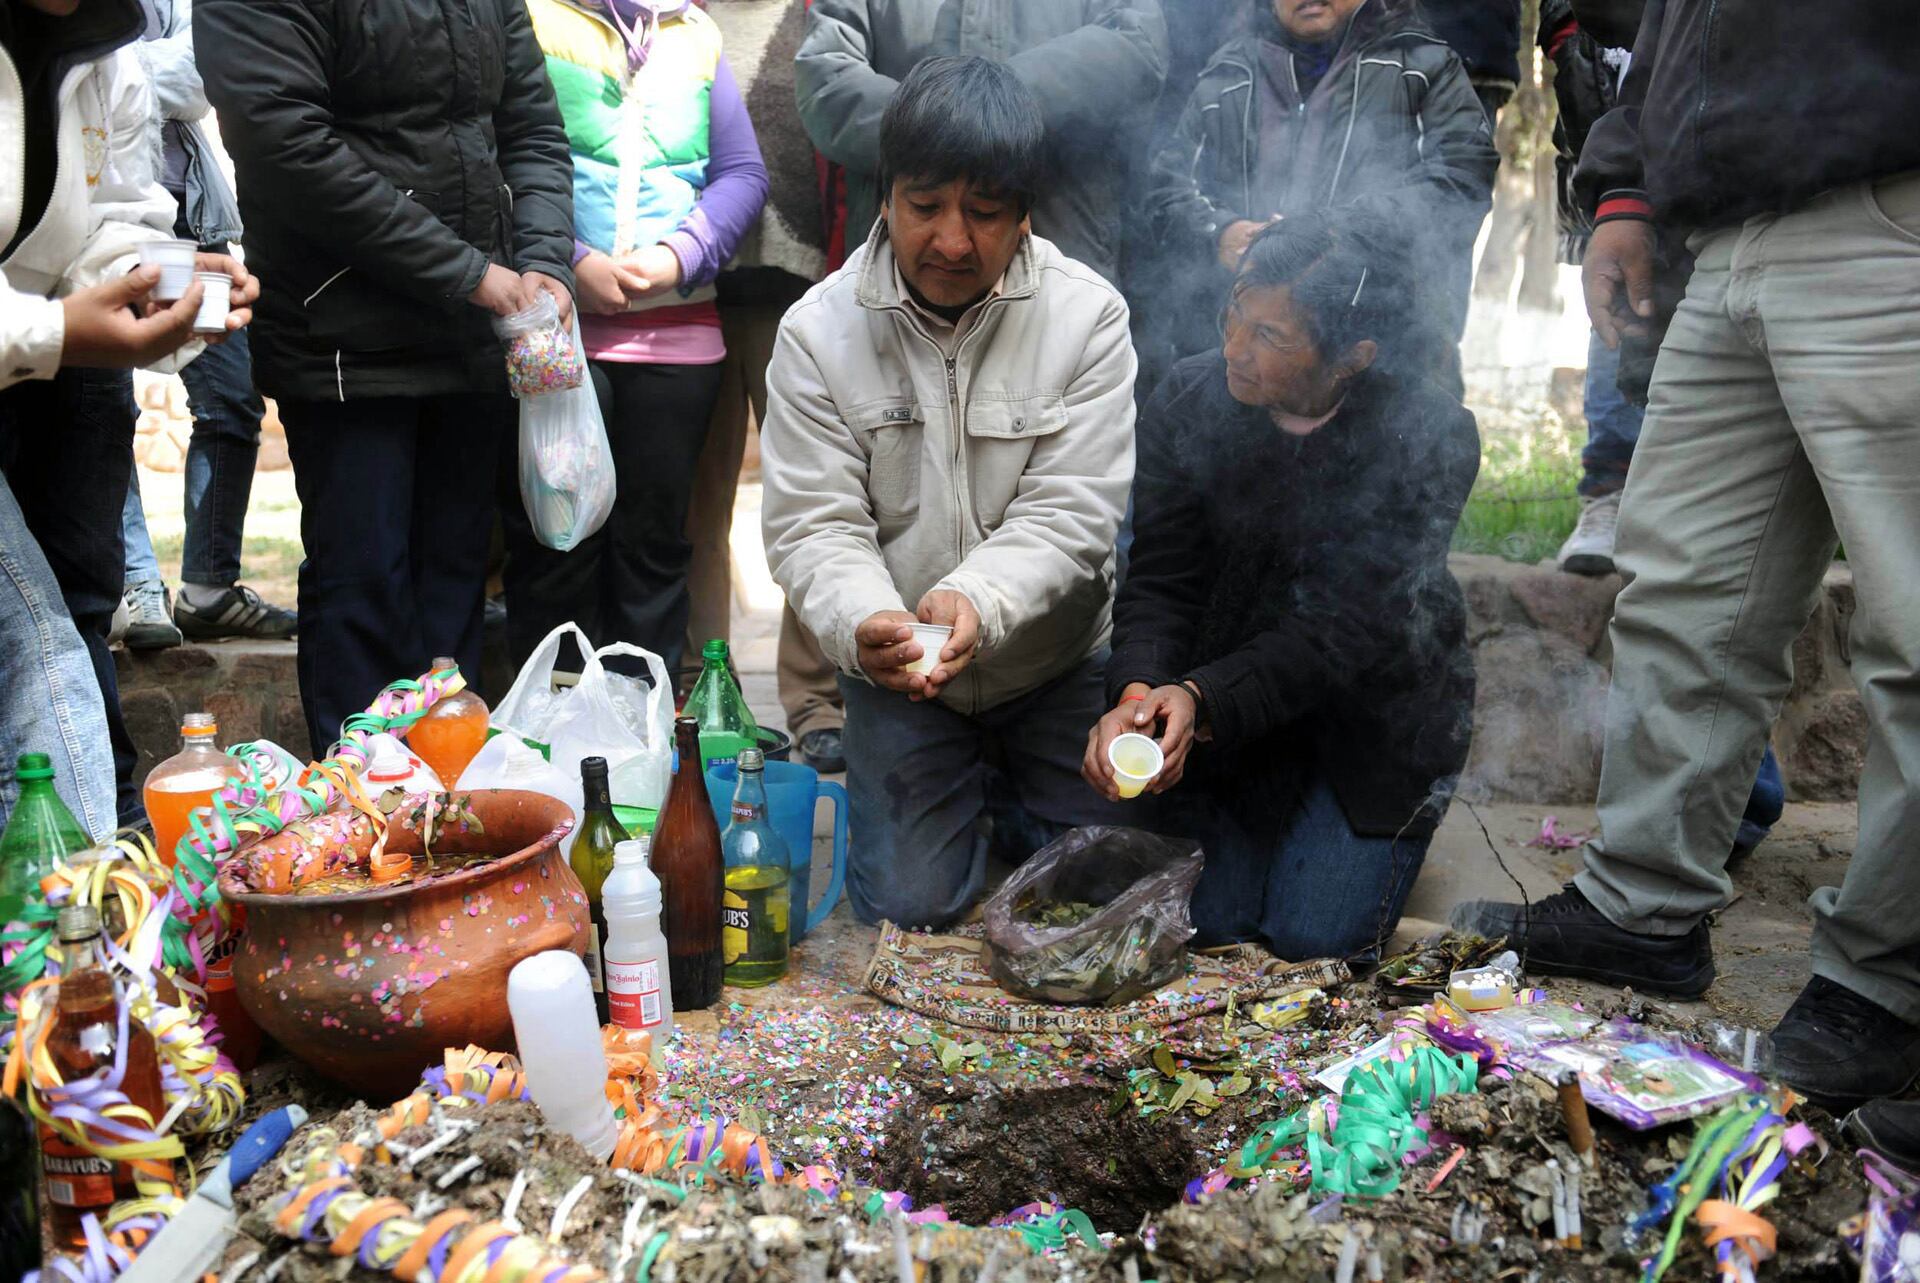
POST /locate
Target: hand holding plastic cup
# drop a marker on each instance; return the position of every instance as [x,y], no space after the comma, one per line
[175,259]
[1136,760]
[217,292]
[933,639]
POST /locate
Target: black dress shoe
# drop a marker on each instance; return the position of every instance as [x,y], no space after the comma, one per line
[1890,1128]
[1839,1049]
[825,750]
[1564,935]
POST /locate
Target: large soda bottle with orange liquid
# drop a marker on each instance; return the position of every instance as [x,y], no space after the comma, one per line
[185,782]
[451,732]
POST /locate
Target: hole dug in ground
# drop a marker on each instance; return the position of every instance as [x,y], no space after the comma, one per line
[983,1156]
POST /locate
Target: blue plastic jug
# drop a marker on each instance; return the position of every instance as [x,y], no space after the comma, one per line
[793,793]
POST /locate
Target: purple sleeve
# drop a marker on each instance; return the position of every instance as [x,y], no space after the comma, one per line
[736,187]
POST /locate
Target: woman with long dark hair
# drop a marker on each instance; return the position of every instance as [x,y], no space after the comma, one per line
[1288,630]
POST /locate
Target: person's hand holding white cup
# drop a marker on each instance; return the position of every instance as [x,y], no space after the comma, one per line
[176,261]
[886,649]
[948,609]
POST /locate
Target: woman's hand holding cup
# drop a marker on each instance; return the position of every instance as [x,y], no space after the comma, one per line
[1171,709]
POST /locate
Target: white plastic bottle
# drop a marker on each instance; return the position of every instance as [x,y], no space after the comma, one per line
[639,995]
[565,1061]
[392,765]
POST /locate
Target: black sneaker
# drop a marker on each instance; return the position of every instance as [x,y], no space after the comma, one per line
[1564,935]
[237,612]
[825,749]
[1890,1128]
[150,623]
[1839,1049]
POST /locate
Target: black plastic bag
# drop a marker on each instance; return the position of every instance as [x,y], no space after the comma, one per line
[1119,897]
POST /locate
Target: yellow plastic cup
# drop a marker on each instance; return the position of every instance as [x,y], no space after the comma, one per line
[1136,760]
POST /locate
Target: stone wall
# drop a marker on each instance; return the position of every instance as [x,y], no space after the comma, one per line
[1542,654]
[1540,646]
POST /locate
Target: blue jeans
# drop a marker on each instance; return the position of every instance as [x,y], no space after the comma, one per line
[1764,804]
[922,781]
[50,698]
[1295,878]
[220,458]
[1613,423]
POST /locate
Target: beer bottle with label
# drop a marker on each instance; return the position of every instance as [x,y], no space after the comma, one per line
[592,861]
[85,1040]
[686,859]
[754,909]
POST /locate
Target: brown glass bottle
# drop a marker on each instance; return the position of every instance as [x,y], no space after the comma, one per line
[83,1042]
[686,859]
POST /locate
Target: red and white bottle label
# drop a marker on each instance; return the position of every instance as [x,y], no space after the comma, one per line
[633,994]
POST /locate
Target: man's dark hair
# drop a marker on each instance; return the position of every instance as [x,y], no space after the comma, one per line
[964,118]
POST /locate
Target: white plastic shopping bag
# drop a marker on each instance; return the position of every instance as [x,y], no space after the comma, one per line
[566,466]
[604,714]
[506,762]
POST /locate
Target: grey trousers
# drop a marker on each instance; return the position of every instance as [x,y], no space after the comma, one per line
[1784,413]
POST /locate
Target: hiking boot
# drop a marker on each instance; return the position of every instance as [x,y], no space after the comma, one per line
[1589,549]
[150,623]
[1890,1128]
[1839,1049]
[209,614]
[1564,935]
[825,750]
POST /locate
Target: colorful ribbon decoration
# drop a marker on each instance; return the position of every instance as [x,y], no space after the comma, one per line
[1742,1150]
[1359,1146]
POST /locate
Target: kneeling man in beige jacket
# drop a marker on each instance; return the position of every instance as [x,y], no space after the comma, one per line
[949,440]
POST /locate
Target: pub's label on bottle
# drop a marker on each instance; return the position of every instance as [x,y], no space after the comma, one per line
[741,810]
[736,920]
[633,994]
[75,1178]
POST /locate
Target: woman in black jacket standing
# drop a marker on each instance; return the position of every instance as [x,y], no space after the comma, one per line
[404,178]
[1289,630]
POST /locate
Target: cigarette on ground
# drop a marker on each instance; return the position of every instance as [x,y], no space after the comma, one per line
[568,1202]
[1349,1256]
[1573,1111]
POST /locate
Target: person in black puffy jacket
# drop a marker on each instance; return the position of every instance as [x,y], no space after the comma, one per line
[1326,104]
[1288,628]
[404,178]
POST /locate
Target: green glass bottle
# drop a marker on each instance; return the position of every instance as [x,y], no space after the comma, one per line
[754,908]
[40,831]
[592,861]
[726,723]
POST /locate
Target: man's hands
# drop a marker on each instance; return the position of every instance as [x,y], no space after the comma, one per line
[886,647]
[606,284]
[531,283]
[1237,236]
[103,332]
[504,291]
[952,609]
[500,291]
[1617,277]
[243,295]
[886,644]
[1173,709]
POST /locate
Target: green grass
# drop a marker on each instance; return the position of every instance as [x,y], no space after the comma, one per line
[1523,504]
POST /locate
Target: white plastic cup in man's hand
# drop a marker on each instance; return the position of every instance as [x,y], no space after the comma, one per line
[216,294]
[175,259]
[933,639]
[1136,761]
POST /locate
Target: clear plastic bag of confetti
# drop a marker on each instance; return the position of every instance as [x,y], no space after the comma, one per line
[566,466]
[543,353]
[1097,916]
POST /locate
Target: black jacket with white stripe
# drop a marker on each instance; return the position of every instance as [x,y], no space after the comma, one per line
[1393,125]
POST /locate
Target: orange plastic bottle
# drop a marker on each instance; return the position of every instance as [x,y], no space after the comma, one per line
[185,782]
[452,731]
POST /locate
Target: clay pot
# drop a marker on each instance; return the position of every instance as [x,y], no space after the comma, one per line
[371,988]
